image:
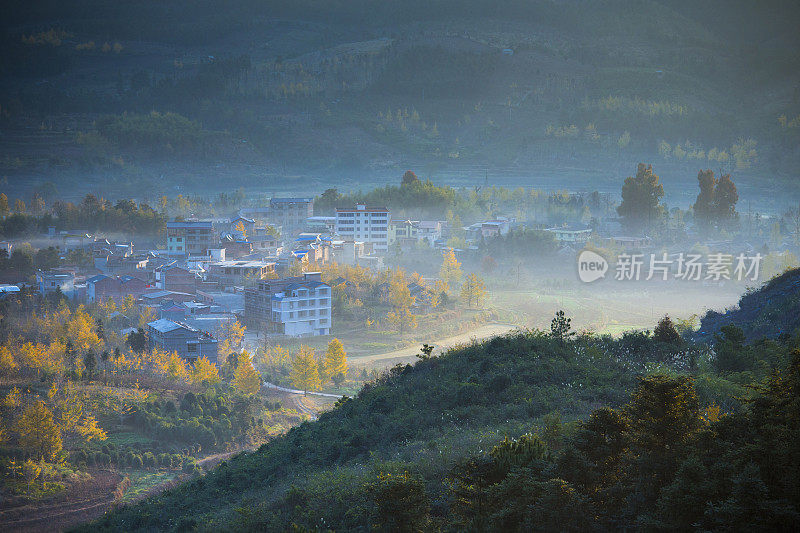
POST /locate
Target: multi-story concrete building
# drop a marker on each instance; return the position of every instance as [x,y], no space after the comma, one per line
[229,273]
[291,213]
[51,280]
[186,341]
[171,277]
[191,237]
[295,306]
[102,287]
[366,224]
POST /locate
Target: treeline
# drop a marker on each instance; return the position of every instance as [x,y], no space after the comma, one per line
[417,198]
[91,214]
[520,243]
[157,133]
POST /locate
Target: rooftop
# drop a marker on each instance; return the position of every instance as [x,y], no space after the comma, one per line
[202,224]
[242,264]
[164,325]
[290,200]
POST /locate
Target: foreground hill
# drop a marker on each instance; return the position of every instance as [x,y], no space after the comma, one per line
[772,311]
[604,434]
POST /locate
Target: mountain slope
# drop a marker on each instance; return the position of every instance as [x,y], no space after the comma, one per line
[771,311]
[373,87]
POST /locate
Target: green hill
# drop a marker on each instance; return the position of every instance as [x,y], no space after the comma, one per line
[519,433]
[771,311]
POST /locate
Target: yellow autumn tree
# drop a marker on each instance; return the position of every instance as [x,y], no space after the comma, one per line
[450,271]
[204,373]
[69,407]
[473,290]
[305,373]
[231,335]
[241,229]
[246,379]
[81,331]
[175,368]
[7,363]
[399,294]
[402,319]
[336,361]
[38,432]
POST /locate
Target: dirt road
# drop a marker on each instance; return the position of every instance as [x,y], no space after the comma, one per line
[409,354]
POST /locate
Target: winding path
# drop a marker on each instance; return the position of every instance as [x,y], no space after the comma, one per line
[409,354]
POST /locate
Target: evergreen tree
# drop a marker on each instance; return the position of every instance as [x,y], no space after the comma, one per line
[640,208]
[704,209]
[665,331]
[561,326]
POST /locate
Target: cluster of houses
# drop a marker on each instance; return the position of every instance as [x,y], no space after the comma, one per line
[213,271]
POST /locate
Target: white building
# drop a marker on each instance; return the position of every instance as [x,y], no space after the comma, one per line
[295,306]
[366,224]
[571,234]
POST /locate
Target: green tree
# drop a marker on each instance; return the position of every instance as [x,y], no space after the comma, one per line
[663,416]
[4,208]
[401,504]
[704,205]
[641,194]
[665,331]
[90,363]
[726,197]
[730,353]
[561,326]
[409,178]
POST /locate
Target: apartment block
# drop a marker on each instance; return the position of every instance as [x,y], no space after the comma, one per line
[192,237]
[295,306]
[365,224]
[291,213]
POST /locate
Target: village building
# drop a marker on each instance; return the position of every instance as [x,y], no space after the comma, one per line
[291,213]
[51,281]
[102,287]
[190,237]
[366,224]
[188,342]
[570,235]
[229,273]
[295,306]
[171,277]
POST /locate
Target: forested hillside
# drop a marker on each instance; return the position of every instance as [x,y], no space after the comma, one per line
[530,431]
[772,312]
[120,94]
